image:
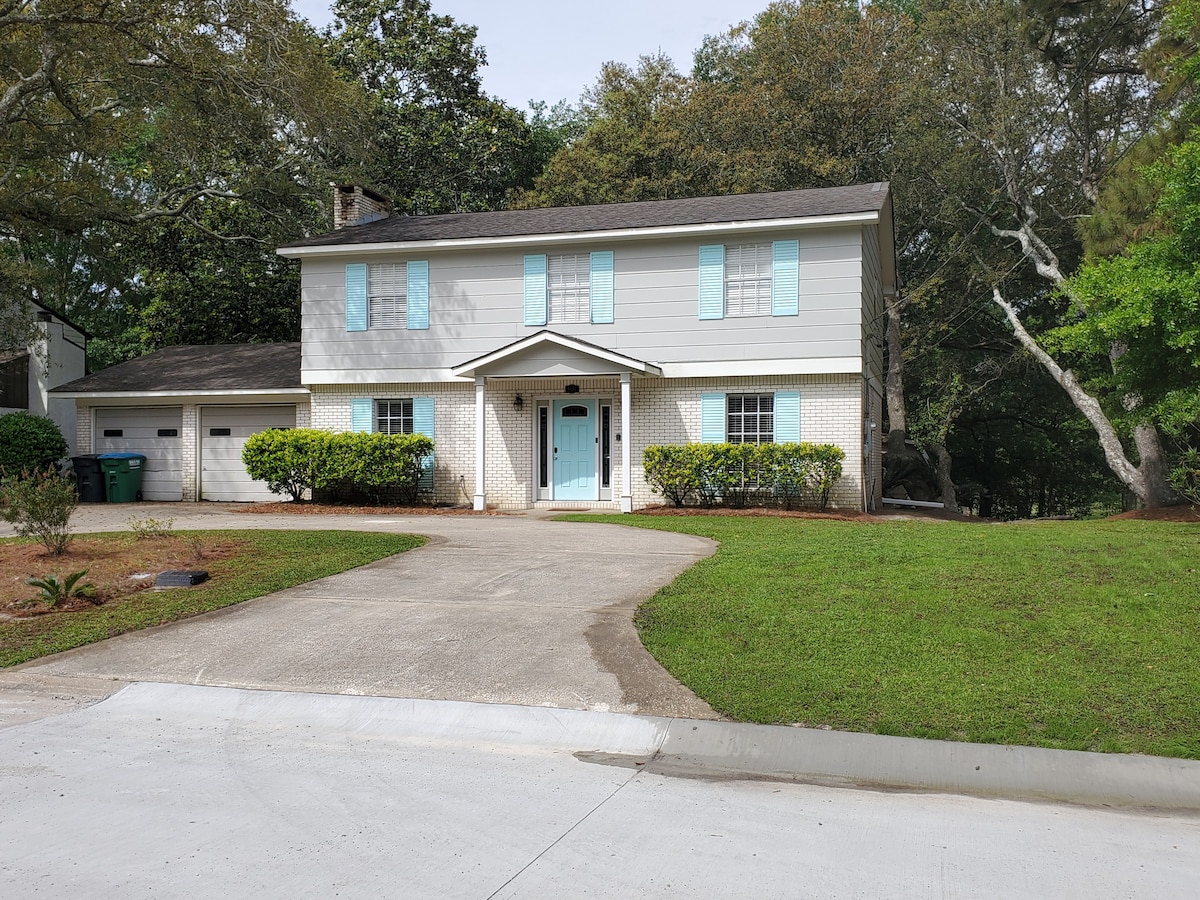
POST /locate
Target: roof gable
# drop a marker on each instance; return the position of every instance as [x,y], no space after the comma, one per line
[547,353]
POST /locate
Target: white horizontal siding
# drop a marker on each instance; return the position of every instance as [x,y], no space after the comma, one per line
[476,307]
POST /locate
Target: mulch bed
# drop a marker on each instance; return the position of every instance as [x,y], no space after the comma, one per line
[1164,514]
[111,566]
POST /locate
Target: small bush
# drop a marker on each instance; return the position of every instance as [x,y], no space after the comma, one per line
[670,472]
[289,461]
[740,475]
[29,444]
[305,459]
[56,593]
[40,505]
[150,528]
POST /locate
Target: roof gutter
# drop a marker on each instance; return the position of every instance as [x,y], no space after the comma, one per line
[615,234]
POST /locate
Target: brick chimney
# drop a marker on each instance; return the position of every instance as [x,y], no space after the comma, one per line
[354,204]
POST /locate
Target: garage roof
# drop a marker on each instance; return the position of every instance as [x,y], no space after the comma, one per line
[198,369]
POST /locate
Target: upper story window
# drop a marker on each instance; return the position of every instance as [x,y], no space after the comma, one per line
[387,295]
[748,280]
[759,279]
[568,293]
[568,287]
[394,416]
[750,418]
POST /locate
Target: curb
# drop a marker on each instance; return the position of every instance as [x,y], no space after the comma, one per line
[700,748]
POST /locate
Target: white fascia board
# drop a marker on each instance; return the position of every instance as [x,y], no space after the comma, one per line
[616,234]
[284,394]
[834,365]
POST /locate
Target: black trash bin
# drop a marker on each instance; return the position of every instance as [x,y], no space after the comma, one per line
[89,478]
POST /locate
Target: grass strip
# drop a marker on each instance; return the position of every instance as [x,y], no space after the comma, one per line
[1073,635]
[267,561]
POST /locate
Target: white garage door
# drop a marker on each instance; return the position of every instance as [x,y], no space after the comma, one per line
[154,433]
[223,433]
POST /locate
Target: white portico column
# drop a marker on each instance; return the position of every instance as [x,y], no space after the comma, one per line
[480,444]
[626,444]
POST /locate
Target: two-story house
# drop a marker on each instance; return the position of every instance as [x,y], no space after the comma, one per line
[55,354]
[544,349]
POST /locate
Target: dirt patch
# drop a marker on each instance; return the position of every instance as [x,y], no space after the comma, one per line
[1164,514]
[284,507]
[112,566]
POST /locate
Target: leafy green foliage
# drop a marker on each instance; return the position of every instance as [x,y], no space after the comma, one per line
[1185,477]
[1075,635]
[267,561]
[41,506]
[29,443]
[300,460]
[150,528]
[55,592]
[439,143]
[740,475]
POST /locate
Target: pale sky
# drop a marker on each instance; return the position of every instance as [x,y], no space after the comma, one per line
[560,54]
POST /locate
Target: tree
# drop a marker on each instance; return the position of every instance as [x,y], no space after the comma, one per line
[439,144]
[118,115]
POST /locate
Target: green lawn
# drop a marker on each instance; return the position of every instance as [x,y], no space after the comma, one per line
[268,561]
[1077,635]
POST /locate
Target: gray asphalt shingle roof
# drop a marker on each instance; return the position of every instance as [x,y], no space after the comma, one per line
[212,367]
[858,198]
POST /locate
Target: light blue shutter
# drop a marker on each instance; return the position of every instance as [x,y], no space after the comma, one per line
[356,297]
[423,424]
[785,278]
[418,295]
[601,287]
[362,411]
[712,281]
[712,418]
[535,290]
[787,417]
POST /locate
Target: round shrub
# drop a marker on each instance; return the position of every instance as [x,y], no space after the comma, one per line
[29,444]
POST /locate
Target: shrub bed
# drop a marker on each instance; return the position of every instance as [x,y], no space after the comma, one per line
[297,461]
[740,475]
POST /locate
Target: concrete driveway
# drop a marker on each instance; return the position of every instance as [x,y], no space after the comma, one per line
[498,609]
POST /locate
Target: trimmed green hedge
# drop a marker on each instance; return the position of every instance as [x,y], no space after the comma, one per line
[740,475]
[29,444]
[297,460]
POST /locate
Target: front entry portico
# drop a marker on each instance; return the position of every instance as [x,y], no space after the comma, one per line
[575,441]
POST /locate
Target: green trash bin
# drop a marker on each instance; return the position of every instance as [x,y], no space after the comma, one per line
[122,476]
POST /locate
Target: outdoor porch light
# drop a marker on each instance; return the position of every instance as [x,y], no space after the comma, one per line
[518,402]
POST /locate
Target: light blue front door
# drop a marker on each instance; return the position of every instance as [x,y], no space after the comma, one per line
[575,450]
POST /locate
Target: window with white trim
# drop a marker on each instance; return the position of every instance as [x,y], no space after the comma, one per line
[748,280]
[387,295]
[394,416]
[568,288]
[750,418]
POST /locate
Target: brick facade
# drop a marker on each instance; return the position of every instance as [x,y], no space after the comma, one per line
[662,411]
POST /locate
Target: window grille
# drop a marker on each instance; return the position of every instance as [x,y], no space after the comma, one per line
[394,416]
[750,418]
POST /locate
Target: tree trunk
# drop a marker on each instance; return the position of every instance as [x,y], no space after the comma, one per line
[1147,481]
[894,384]
[945,482]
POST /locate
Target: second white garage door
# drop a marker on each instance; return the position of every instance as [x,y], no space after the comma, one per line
[223,433]
[155,433]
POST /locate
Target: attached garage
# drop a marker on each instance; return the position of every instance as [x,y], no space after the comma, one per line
[223,434]
[154,432]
